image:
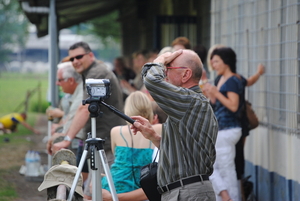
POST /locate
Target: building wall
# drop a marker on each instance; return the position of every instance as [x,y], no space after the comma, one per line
[267,32]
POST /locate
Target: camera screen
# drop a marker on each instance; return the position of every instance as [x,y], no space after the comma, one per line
[98,88]
[98,91]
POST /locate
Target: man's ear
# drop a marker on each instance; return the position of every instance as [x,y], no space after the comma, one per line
[72,80]
[186,75]
[91,54]
[155,119]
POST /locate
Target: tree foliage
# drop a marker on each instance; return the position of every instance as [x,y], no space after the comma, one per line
[106,27]
[13,28]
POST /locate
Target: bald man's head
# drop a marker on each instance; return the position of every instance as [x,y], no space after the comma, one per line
[190,59]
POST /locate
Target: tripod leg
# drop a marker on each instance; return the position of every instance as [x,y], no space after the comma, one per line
[108,175]
[96,179]
[79,169]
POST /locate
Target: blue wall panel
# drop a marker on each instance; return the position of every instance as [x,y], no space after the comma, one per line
[270,186]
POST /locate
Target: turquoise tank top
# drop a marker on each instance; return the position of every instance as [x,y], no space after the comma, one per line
[125,170]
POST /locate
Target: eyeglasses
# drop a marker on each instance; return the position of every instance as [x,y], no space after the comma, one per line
[77,57]
[173,67]
[62,79]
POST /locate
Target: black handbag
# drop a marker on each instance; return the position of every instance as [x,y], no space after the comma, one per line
[248,189]
[148,181]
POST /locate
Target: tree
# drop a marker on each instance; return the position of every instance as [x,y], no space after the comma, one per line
[13,28]
[107,27]
[107,32]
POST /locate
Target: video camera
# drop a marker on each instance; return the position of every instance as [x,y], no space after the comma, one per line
[98,88]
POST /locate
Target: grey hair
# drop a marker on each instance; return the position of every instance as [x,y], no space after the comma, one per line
[69,71]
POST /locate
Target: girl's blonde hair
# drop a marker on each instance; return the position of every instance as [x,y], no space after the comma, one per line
[138,104]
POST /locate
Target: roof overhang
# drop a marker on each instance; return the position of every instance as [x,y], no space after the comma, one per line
[68,12]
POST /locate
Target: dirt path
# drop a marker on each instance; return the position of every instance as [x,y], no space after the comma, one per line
[27,190]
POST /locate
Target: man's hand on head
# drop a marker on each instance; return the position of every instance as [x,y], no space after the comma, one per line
[168,57]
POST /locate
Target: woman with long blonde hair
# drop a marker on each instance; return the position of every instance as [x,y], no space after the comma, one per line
[131,151]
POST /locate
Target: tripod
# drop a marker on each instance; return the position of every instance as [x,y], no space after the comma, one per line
[92,143]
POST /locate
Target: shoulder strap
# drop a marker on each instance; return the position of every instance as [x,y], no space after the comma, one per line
[150,144]
[130,136]
[155,156]
[123,136]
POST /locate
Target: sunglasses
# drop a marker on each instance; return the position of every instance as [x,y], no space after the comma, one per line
[77,57]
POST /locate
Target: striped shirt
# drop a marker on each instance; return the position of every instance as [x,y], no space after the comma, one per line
[187,146]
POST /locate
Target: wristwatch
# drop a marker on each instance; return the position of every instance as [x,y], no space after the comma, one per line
[67,138]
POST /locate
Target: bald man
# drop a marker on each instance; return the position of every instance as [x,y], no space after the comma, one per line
[187,144]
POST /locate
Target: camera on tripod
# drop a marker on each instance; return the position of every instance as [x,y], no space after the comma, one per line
[98,88]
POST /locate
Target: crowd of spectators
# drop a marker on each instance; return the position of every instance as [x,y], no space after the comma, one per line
[188,117]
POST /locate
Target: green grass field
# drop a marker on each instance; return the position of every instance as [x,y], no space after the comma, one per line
[7,191]
[13,91]
[14,88]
